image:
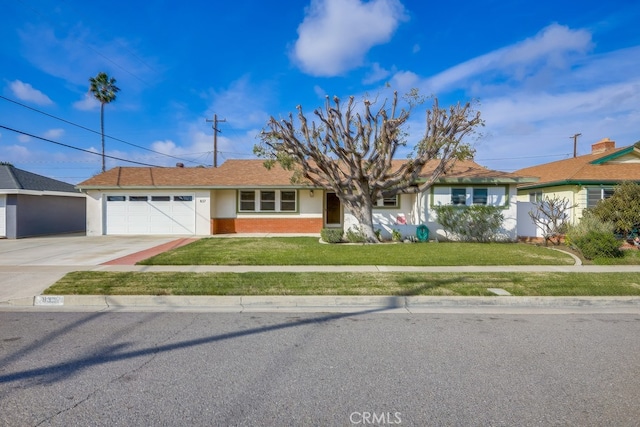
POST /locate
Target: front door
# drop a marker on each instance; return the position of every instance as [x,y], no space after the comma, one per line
[332,210]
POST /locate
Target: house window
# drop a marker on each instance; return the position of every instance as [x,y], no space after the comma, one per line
[267,200]
[182,198]
[160,198]
[535,197]
[458,196]
[247,201]
[116,198]
[480,196]
[390,202]
[138,198]
[287,200]
[594,195]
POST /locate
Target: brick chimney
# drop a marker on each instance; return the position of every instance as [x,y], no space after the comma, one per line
[603,145]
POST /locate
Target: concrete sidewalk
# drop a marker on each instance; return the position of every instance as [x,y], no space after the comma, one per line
[34,279]
[29,266]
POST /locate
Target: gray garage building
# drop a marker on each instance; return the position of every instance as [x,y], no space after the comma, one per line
[34,205]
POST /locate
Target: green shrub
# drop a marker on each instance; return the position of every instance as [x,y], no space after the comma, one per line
[356,235]
[598,244]
[331,235]
[587,223]
[477,223]
[396,235]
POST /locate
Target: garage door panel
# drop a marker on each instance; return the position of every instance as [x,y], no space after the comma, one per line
[151,214]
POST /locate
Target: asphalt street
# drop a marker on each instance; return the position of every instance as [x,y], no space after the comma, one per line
[339,369]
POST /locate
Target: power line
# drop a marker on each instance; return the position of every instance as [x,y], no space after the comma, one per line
[75,148]
[94,131]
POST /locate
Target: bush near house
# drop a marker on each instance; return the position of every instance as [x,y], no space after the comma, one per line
[622,208]
[594,237]
[476,223]
[596,244]
[331,235]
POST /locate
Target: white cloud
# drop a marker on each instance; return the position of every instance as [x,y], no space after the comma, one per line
[87,103]
[552,47]
[535,94]
[320,93]
[336,35]
[404,81]
[26,92]
[24,138]
[376,74]
[53,134]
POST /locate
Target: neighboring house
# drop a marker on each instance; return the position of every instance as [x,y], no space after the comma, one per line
[583,180]
[241,196]
[34,205]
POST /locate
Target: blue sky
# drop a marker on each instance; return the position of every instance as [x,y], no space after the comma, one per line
[541,72]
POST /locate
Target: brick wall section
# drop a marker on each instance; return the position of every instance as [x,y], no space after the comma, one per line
[266,225]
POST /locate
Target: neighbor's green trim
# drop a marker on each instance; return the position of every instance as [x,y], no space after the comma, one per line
[581,182]
[612,156]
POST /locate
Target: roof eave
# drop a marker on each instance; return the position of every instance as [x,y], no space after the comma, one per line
[573,182]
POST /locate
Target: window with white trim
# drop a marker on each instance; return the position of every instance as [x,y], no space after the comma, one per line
[247,200]
[459,196]
[287,200]
[535,196]
[268,201]
[480,196]
[463,196]
[594,195]
[388,202]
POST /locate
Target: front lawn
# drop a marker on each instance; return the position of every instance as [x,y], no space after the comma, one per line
[393,284]
[308,251]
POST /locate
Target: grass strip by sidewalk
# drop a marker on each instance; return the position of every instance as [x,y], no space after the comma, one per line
[308,251]
[394,284]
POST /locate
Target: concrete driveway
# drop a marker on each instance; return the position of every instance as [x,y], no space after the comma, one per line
[29,266]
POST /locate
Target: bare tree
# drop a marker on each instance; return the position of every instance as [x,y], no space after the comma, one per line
[351,153]
[551,216]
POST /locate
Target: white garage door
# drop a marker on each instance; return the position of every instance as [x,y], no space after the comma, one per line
[3,215]
[150,214]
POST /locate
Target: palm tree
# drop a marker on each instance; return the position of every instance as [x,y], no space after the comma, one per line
[104,89]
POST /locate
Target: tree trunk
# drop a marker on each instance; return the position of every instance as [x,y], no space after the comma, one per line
[363,212]
[102,133]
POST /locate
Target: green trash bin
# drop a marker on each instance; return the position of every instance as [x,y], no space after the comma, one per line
[422,233]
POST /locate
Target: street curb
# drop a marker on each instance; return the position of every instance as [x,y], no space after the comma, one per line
[257,303]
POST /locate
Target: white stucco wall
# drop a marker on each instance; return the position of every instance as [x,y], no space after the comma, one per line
[94,213]
[417,210]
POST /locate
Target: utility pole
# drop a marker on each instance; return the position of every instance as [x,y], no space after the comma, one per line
[215,122]
[575,144]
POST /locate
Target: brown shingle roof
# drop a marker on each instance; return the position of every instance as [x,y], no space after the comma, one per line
[247,173]
[587,168]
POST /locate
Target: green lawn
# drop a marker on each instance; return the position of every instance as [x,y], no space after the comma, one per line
[308,251]
[394,284]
